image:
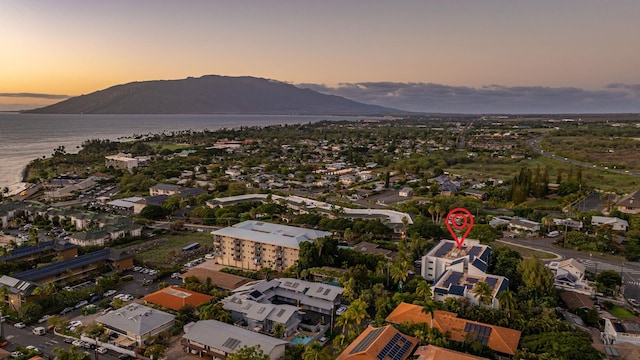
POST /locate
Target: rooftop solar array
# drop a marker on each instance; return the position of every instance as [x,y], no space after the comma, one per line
[368,339]
[482,332]
[62,266]
[611,351]
[474,251]
[456,290]
[231,343]
[491,281]
[481,265]
[631,327]
[619,328]
[395,349]
[443,249]
[454,278]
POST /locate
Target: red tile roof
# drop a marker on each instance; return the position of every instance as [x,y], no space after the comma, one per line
[175,298]
[372,341]
[501,339]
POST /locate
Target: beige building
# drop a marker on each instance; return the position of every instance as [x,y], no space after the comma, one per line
[255,244]
[121,161]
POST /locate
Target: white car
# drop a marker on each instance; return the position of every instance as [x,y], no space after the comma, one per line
[78,343]
[108,293]
[20,325]
[75,323]
[102,350]
[210,256]
[44,319]
[81,304]
[32,348]
[341,310]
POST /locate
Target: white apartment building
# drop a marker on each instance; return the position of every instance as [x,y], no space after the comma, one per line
[446,252]
[121,161]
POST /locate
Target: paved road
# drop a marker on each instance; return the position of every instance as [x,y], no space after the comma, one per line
[630,270]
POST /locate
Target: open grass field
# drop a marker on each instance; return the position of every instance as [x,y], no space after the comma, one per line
[158,257]
[506,170]
[525,252]
[621,312]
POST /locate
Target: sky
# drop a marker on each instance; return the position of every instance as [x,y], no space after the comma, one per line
[542,56]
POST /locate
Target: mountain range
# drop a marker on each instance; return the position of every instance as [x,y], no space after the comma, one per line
[211,94]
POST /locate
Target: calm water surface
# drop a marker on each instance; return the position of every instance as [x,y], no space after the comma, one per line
[24,137]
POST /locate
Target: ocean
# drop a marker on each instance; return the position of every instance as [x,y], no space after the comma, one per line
[24,137]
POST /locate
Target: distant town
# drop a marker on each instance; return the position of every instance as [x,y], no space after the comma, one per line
[329,240]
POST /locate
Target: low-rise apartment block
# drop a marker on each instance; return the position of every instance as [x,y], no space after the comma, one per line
[256,244]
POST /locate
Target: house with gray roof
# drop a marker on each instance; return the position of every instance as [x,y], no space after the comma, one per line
[135,323]
[228,339]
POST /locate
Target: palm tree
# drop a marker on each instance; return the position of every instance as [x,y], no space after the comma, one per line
[315,351]
[399,270]
[483,292]
[429,308]
[357,312]
[507,301]
[423,291]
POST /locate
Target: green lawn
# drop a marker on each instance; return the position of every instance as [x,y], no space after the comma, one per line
[528,252]
[621,313]
[159,256]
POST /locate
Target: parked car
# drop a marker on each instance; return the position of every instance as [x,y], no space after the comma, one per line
[66,310]
[75,323]
[78,343]
[102,350]
[16,354]
[341,310]
[44,318]
[20,325]
[81,304]
[108,293]
[126,357]
[32,348]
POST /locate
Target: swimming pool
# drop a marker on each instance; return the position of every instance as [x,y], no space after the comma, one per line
[301,339]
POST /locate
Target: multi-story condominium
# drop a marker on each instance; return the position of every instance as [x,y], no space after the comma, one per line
[253,244]
[121,161]
[445,253]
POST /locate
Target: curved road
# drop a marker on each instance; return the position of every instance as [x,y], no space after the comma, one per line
[597,261]
[534,144]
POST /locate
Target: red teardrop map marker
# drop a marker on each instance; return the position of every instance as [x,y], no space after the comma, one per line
[459,220]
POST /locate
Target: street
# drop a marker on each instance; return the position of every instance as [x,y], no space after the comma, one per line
[630,270]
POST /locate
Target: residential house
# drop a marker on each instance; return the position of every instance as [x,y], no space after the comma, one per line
[630,204]
[198,340]
[524,226]
[30,253]
[19,292]
[373,249]
[9,211]
[621,331]
[165,189]
[380,343]
[569,275]
[255,244]
[157,200]
[500,339]
[476,194]
[175,298]
[432,352]
[446,252]
[461,279]
[616,224]
[136,323]
[261,317]
[317,297]
[406,192]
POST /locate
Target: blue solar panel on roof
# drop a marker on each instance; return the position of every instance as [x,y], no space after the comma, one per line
[474,251]
[444,248]
[440,291]
[61,267]
[454,278]
[485,254]
[482,332]
[618,327]
[472,280]
[395,349]
[491,281]
[366,342]
[480,265]
[456,290]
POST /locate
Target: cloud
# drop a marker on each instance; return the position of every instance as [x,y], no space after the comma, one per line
[34,95]
[438,98]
